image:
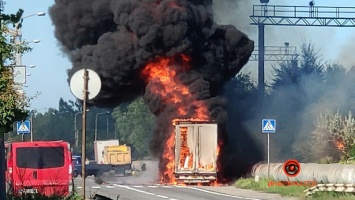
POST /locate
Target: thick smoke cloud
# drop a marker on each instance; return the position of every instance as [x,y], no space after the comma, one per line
[118,38]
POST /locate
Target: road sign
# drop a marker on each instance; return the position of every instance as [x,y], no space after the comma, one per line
[77,84]
[24,127]
[268,126]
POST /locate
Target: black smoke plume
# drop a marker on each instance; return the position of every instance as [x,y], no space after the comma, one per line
[118,38]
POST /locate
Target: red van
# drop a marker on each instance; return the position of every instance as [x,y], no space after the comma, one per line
[43,167]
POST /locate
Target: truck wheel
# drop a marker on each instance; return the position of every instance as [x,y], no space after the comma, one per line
[143,167]
[98,178]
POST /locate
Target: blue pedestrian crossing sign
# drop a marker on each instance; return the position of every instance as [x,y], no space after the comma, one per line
[268,125]
[24,127]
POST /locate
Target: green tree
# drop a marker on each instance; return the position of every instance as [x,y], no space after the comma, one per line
[135,125]
[296,86]
[332,139]
[242,107]
[12,104]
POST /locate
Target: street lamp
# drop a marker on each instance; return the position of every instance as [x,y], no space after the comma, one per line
[17,35]
[31,121]
[35,14]
[34,41]
[107,112]
[31,124]
[76,134]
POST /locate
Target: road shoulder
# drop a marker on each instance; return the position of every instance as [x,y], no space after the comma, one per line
[248,193]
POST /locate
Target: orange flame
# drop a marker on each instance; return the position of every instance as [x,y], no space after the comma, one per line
[339,144]
[163,73]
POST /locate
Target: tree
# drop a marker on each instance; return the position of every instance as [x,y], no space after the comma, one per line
[12,104]
[332,139]
[242,107]
[295,88]
[135,124]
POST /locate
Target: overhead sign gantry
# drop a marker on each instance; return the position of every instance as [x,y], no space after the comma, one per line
[312,15]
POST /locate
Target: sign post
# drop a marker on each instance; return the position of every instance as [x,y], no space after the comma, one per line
[268,126]
[85,85]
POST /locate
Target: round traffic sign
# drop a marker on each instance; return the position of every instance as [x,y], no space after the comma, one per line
[77,84]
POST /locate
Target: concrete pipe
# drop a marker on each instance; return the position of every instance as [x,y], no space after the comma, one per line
[322,173]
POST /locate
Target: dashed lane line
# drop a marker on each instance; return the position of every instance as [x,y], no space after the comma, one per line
[153,186]
[144,192]
[221,194]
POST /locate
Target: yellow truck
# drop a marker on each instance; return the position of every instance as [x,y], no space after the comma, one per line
[110,157]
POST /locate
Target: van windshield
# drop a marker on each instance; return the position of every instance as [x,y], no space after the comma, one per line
[40,157]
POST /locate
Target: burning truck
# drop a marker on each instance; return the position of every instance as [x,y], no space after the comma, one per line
[196,151]
[173,54]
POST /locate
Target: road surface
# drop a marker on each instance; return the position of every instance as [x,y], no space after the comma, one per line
[124,190]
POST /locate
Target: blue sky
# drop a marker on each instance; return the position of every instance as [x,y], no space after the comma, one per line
[49,77]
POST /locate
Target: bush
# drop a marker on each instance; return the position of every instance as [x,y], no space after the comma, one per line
[42,197]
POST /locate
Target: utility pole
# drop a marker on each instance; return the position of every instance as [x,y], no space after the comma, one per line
[84,90]
[261,70]
[107,129]
[31,124]
[83,136]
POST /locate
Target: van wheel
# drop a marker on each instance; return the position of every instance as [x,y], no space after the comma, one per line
[9,189]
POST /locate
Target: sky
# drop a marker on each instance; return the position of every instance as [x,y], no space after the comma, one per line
[49,78]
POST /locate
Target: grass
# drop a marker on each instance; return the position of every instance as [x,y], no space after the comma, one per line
[42,197]
[293,191]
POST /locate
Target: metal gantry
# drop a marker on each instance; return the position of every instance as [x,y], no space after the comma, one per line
[276,53]
[303,15]
[277,15]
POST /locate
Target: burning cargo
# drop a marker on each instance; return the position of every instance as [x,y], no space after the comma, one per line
[196,151]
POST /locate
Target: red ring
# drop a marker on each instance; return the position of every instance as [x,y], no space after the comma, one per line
[291,162]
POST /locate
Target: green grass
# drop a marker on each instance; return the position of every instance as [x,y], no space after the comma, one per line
[42,197]
[293,191]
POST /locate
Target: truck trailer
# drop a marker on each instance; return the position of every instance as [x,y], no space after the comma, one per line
[196,151]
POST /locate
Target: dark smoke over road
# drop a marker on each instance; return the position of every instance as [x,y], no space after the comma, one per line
[118,38]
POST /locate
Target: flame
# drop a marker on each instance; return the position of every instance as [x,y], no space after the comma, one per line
[339,144]
[163,72]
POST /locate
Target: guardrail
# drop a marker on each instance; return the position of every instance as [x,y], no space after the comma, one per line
[330,188]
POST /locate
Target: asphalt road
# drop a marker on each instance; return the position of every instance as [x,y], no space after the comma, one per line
[127,188]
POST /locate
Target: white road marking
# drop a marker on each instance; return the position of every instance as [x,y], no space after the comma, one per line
[221,194]
[138,186]
[79,187]
[110,186]
[152,186]
[161,196]
[136,190]
[96,187]
[167,187]
[144,192]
